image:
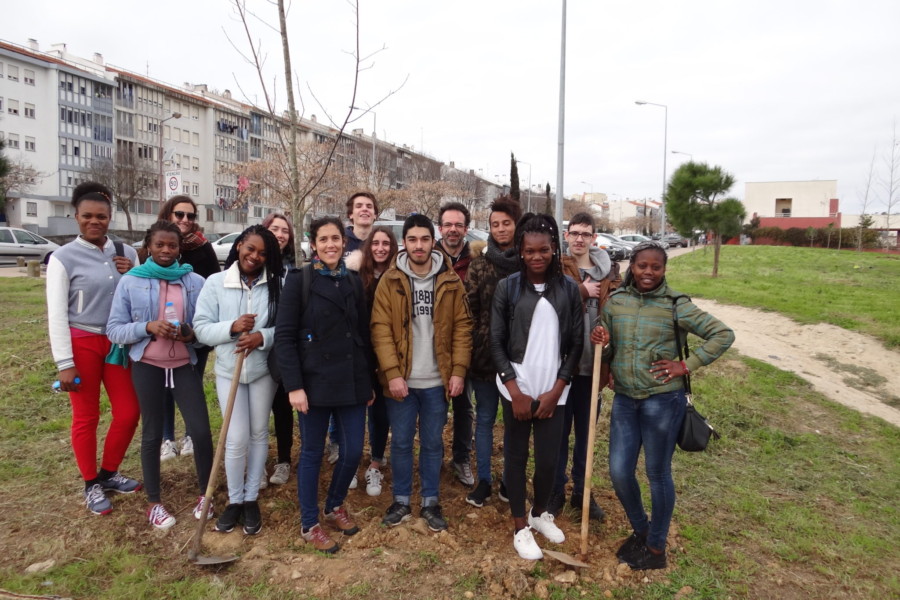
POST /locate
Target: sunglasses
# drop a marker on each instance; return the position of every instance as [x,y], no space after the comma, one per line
[180,214]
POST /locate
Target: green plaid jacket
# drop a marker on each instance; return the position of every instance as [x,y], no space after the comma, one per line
[642,332]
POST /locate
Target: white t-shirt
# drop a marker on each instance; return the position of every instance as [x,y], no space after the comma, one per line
[537,372]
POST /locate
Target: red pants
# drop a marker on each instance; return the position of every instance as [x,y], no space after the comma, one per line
[90,360]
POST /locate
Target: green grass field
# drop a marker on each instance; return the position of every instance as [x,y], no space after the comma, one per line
[798,500]
[856,291]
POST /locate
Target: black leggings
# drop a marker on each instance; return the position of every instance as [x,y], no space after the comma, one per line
[516,437]
[283,416]
[149,383]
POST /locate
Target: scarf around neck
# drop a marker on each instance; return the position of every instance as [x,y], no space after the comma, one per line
[320,268]
[151,270]
[505,261]
[192,240]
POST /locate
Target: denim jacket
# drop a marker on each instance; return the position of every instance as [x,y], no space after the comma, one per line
[136,303]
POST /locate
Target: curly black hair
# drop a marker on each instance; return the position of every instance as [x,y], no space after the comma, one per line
[91,190]
[161,226]
[273,264]
[545,224]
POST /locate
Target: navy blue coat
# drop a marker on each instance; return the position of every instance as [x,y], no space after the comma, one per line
[323,348]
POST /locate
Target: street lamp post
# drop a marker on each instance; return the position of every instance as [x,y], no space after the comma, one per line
[162,182]
[688,154]
[529,181]
[662,198]
[374,140]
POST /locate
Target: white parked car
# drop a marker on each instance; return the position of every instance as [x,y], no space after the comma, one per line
[223,245]
[638,238]
[19,242]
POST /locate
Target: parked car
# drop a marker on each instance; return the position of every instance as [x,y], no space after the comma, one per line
[16,242]
[610,240]
[472,235]
[673,239]
[222,246]
[638,238]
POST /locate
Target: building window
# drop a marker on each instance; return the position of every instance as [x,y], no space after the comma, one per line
[12,73]
[13,107]
[29,143]
[12,141]
[29,77]
[29,111]
[31,209]
[195,191]
[195,164]
[1,104]
[195,139]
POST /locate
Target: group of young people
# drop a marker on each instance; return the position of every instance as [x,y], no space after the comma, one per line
[399,337]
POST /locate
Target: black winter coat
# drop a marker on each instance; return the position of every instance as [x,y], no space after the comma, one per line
[324,348]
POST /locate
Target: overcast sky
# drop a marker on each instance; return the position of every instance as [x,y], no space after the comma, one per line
[769,90]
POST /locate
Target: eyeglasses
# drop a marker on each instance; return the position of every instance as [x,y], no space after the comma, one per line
[453,225]
[585,235]
[180,214]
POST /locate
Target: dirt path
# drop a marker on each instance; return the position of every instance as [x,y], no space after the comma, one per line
[853,369]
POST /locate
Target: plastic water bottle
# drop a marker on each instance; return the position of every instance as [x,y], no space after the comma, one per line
[170,314]
[55,385]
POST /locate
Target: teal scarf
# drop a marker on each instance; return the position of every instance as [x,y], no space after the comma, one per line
[151,270]
[320,268]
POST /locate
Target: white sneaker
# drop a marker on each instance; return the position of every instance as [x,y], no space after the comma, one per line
[544,525]
[281,475]
[167,451]
[263,481]
[373,481]
[210,513]
[332,453]
[187,446]
[525,545]
[354,483]
[464,473]
[159,517]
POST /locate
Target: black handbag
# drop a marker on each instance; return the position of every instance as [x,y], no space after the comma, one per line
[695,429]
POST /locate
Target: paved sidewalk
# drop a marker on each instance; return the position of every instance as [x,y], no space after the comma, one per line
[19,272]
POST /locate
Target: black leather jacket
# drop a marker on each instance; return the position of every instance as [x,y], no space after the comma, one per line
[509,333]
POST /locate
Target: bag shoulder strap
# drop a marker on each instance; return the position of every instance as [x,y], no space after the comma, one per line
[514,289]
[683,351]
[120,248]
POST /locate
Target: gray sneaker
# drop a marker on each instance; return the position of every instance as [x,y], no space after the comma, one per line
[332,453]
[281,474]
[120,484]
[187,446]
[464,473]
[96,500]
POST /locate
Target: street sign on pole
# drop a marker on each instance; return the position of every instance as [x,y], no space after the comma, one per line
[173,183]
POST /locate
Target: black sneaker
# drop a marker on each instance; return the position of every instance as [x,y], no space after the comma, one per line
[252,518]
[229,518]
[631,545]
[502,492]
[481,493]
[396,514]
[642,559]
[432,516]
[556,502]
[595,513]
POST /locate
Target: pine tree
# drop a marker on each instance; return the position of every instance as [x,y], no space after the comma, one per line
[514,191]
[548,204]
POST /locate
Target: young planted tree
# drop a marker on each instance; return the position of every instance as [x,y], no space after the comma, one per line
[4,171]
[865,219]
[514,190]
[129,177]
[892,179]
[694,201]
[548,202]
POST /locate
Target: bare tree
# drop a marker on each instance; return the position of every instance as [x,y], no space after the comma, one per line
[302,183]
[16,178]
[865,201]
[892,179]
[128,176]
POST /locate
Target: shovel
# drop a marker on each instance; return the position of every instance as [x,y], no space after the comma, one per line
[194,552]
[589,460]
[562,557]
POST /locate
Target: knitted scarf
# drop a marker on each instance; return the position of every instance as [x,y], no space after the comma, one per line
[192,240]
[151,270]
[505,261]
[320,268]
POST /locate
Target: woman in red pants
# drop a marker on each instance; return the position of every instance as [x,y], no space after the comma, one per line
[81,280]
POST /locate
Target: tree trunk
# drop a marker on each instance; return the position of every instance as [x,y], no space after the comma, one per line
[717,247]
[296,200]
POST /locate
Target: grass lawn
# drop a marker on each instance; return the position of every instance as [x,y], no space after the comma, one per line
[798,500]
[859,291]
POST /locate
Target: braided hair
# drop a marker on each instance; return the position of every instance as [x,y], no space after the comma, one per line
[643,247]
[161,225]
[541,224]
[273,265]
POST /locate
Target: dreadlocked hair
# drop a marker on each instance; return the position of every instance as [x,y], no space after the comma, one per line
[651,245]
[167,226]
[541,224]
[273,265]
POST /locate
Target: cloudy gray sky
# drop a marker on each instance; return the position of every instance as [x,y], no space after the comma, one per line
[769,90]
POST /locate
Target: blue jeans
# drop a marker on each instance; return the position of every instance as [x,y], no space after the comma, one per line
[653,423]
[430,409]
[487,400]
[577,413]
[350,427]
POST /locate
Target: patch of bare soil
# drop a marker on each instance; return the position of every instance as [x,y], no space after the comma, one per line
[853,369]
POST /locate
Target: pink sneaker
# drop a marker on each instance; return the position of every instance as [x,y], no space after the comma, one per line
[159,517]
[210,513]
